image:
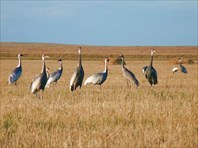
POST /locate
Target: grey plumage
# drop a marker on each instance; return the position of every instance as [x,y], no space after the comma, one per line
[77,77]
[128,74]
[16,73]
[40,80]
[151,73]
[98,78]
[55,76]
[182,69]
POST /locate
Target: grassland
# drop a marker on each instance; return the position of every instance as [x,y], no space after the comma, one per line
[68,52]
[111,116]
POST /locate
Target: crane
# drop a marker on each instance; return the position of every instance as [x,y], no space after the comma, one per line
[98,78]
[40,80]
[151,73]
[78,75]
[55,76]
[128,74]
[175,69]
[182,69]
[16,73]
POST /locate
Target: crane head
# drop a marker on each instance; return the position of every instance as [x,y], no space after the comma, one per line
[47,69]
[180,61]
[121,56]
[107,60]
[152,51]
[59,60]
[20,55]
[79,50]
[44,56]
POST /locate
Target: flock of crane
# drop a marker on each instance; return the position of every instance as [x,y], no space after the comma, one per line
[44,79]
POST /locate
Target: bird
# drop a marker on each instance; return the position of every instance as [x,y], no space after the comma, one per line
[48,72]
[128,74]
[98,78]
[78,75]
[151,73]
[175,69]
[40,80]
[182,69]
[55,76]
[144,69]
[16,73]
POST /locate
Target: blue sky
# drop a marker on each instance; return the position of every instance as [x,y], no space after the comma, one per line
[118,23]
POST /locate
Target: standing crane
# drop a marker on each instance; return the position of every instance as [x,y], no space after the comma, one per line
[55,76]
[40,80]
[128,74]
[78,75]
[98,78]
[16,73]
[182,68]
[151,73]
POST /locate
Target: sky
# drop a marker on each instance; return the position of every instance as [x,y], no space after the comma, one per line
[104,23]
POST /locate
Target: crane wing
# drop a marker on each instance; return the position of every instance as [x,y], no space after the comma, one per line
[54,77]
[35,84]
[15,75]
[183,69]
[131,77]
[77,78]
[95,78]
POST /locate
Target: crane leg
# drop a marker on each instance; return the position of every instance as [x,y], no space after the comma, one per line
[42,92]
[37,96]
[127,83]
[100,88]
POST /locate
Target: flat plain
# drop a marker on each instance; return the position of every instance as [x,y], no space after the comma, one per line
[112,115]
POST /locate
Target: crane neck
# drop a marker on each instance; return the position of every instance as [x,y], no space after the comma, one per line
[61,66]
[151,63]
[80,60]
[106,67]
[43,66]
[19,64]
[122,64]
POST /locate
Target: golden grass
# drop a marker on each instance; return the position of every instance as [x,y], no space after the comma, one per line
[68,52]
[113,116]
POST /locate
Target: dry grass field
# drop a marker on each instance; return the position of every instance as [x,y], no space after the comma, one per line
[68,52]
[111,116]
